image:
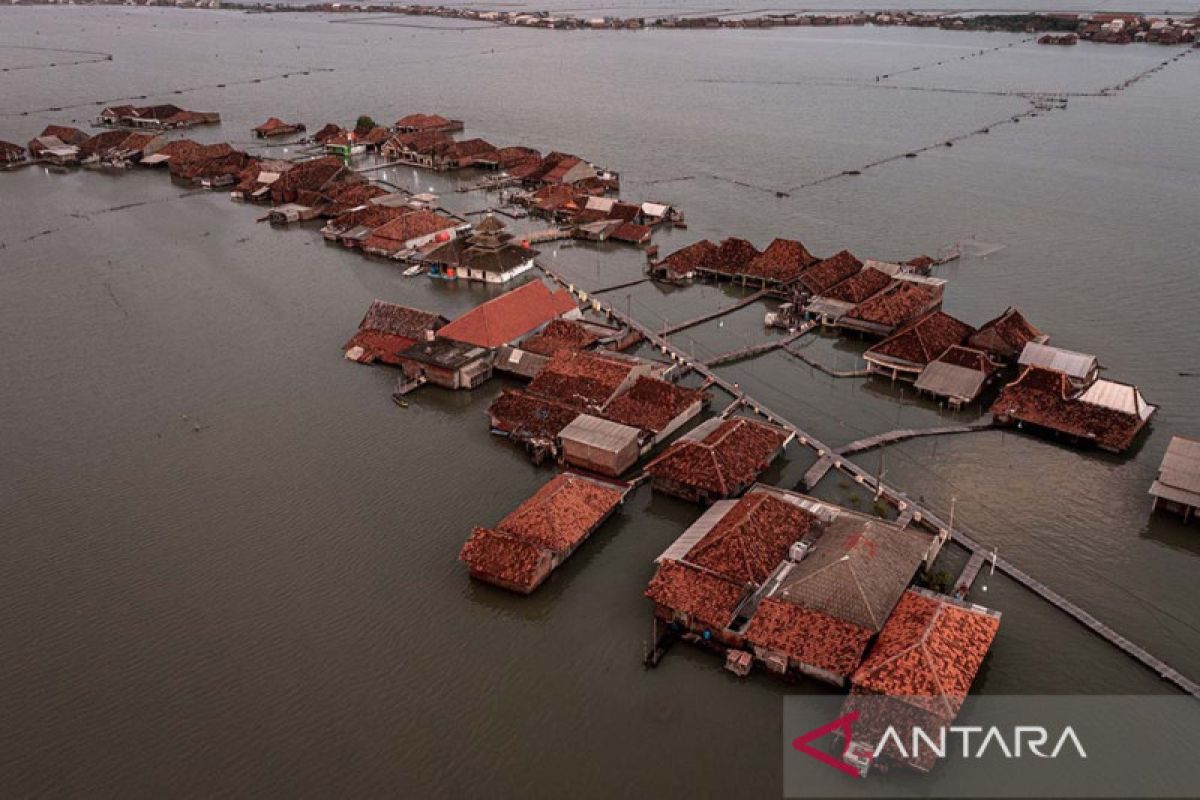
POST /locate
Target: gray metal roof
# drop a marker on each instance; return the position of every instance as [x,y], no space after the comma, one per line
[1076,365]
[698,530]
[1179,473]
[600,433]
[951,380]
[1119,397]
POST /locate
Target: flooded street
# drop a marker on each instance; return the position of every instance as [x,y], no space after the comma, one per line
[230,561]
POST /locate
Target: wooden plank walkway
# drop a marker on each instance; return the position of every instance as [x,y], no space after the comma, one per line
[617,286]
[759,349]
[691,323]
[871,442]
[816,472]
[969,573]
[927,518]
[850,373]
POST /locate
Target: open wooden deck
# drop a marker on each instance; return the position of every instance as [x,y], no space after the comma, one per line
[904,504]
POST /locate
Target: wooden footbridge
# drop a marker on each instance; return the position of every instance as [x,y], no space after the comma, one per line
[758,349]
[908,509]
[720,312]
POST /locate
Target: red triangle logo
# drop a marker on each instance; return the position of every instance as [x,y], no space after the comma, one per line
[846,725]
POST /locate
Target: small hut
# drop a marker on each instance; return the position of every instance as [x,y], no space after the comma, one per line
[1178,486]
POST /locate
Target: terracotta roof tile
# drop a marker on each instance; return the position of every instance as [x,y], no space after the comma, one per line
[824,275]
[585,380]
[748,543]
[930,648]
[652,404]
[896,305]
[510,316]
[560,334]
[500,557]
[859,286]
[923,339]
[1046,398]
[562,513]
[808,637]
[725,461]
[525,416]
[782,261]
[708,599]
[1006,335]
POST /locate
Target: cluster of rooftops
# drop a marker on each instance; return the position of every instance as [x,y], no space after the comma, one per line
[798,585]
[899,306]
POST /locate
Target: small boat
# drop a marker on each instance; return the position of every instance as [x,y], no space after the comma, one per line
[400,401]
[415,269]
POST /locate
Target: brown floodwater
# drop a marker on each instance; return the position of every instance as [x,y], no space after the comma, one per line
[230,562]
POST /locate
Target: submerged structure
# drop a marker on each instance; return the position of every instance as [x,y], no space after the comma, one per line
[521,551]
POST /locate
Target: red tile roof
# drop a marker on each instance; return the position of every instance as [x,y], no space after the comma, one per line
[928,653]
[1047,398]
[631,233]
[698,255]
[808,637]
[510,316]
[581,379]
[922,340]
[860,286]
[394,235]
[424,122]
[709,600]
[1006,335]
[732,256]
[387,329]
[651,404]
[502,558]
[783,261]
[276,125]
[824,275]
[747,544]
[897,304]
[968,358]
[562,513]
[525,416]
[560,334]
[725,461]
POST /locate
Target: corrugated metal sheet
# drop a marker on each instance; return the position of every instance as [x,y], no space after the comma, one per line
[1076,365]
[1119,397]
[699,529]
[600,433]
[951,380]
[1179,473]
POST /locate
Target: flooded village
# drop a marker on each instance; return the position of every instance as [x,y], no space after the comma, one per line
[810,564]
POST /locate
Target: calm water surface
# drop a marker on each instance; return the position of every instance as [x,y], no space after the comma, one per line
[230,561]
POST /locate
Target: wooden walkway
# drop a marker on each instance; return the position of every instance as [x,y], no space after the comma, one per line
[837,373]
[901,501]
[617,286]
[969,573]
[547,235]
[871,442]
[759,349]
[816,472]
[691,323]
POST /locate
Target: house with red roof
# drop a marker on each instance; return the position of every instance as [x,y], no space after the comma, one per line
[717,459]
[1106,413]
[919,672]
[1005,337]
[274,127]
[908,351]
[404,234]
[512,316]
[387,329]
[904,300]
[521,551]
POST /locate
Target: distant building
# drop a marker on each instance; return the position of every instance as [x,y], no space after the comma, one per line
[489,254]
